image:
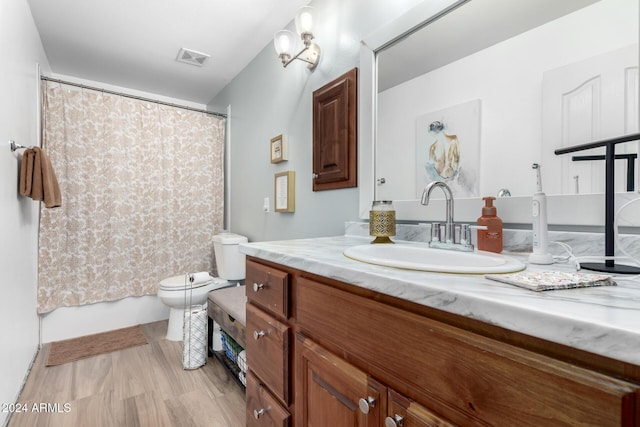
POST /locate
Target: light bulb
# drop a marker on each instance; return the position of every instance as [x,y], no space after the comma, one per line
[284,42]
[304,20]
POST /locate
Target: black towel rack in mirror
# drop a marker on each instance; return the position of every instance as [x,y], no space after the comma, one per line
[608,265]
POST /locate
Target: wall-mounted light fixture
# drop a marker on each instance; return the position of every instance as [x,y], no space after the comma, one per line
[285,41]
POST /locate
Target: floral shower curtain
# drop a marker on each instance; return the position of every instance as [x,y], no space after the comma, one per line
[143,192]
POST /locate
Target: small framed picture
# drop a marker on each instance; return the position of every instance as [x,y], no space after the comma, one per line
[284,189]
[279,149]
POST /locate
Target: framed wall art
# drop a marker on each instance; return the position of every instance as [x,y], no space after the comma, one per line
[284,191]
[448,148]
[279,149]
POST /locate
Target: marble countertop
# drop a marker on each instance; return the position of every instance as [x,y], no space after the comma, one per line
[601,320]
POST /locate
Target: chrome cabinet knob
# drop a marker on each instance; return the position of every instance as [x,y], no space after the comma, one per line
[257,287]
[395,421]
[258,412]
[257,335]
[366,404]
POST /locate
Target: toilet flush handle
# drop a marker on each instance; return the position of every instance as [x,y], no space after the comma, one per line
[257,287]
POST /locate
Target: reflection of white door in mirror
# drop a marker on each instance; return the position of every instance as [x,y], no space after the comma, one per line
[587,101]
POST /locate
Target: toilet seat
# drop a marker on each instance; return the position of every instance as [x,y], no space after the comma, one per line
[177,283]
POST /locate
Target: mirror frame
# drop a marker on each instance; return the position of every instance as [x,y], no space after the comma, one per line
[562,209]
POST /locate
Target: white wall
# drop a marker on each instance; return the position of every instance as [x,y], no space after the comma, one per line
[267,100]
[507,78]
[21,51]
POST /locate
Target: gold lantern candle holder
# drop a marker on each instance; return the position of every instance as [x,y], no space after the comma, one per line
[382,221]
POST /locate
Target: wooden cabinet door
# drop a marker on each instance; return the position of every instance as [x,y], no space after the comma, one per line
[403,412]
[330,392]
[335,133]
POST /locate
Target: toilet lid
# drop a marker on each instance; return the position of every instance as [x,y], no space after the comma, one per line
[176,283]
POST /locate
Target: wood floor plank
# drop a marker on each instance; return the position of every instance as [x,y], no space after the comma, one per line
[200,409]
[101,378]
[100,410]
[131,373]
[169,376]
[140,386]
[233,406]
[216,379]
[150,410]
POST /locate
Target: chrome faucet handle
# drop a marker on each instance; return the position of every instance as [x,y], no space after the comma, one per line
[435,232]
[465,234]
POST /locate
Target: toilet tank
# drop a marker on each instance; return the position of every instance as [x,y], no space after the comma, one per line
[230,262]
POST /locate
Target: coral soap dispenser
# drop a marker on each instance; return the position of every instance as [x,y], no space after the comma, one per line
[491,238]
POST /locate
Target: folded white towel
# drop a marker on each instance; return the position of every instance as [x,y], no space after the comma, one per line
[201,277]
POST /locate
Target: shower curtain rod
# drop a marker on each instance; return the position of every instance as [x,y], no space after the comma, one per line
[126,95]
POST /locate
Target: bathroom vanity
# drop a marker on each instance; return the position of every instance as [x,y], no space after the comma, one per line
[335,342]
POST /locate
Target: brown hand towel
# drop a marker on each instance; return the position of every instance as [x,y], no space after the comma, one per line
[26,172]
[37,191]
[52,195]
[37,178]
[49,183]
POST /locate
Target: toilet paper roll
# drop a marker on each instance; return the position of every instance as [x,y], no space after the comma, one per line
[194,337]
[201,277]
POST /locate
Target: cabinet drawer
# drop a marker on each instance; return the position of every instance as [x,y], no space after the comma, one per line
[268,288]
[268,351]
[465,377]
[227,323]
[262,408]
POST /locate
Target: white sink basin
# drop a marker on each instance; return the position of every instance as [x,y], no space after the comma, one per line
[423,258]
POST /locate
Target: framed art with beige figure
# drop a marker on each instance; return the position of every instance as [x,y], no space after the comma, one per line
[279,149]
[284,191]
[448,148]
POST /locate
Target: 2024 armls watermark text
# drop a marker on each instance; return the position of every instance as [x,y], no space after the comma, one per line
[43,407]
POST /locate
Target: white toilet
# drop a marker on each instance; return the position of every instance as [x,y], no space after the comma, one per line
[176,295]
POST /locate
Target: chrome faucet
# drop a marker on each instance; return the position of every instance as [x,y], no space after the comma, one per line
[449,230]
[461,242]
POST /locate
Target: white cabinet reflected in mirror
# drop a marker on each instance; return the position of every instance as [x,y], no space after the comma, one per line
[544,74]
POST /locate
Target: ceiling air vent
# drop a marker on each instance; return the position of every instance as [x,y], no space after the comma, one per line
[192,57]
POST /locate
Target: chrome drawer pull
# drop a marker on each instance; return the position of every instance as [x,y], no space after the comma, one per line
[257,335]
[366,404]
[395,421]
[258,412]
[257,287]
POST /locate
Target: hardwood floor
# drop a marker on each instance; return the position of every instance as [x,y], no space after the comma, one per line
[139,386]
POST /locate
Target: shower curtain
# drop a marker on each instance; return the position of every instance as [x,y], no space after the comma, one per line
[143,191]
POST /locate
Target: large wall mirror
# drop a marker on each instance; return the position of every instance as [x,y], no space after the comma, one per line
[474,92]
